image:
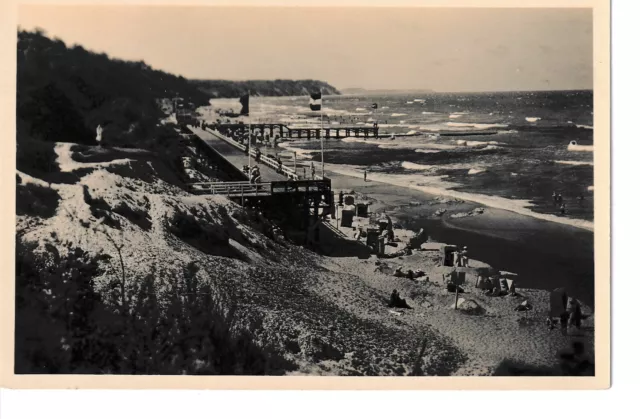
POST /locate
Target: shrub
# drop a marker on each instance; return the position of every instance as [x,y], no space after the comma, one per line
[205,236]
[136,216]
[36,200]
[64,326]
[100,208]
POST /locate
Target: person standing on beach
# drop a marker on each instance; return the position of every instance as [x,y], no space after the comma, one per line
[464,258]
[563,209]
[365,175]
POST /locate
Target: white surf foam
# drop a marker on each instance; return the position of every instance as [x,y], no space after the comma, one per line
[476,126]
[532,118]
[455,115]
[574,163]
[584,126]
[474,171]
[415,166]
[435,185]
[360,109]
[398,114]
[300,152]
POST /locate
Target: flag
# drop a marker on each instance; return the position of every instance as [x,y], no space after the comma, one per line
[244,100]
[374,106]
[315,101]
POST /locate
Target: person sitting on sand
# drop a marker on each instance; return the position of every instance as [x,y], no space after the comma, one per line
[575,313]
[396,302]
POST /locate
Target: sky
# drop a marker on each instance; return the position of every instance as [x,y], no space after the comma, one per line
[443,49]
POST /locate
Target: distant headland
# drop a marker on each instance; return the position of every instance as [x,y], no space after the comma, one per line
[279,87]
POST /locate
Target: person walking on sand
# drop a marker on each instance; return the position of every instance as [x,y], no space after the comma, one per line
[365,175]
[563,209]
[554,197]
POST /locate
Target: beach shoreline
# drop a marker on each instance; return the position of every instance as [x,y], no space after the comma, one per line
[504,239]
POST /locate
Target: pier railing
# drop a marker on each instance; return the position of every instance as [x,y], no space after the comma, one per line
[232,188]
[263,159]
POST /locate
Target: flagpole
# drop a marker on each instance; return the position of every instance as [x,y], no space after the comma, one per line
[321,136]
[249,140]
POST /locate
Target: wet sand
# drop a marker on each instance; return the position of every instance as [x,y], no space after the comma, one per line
[544,254]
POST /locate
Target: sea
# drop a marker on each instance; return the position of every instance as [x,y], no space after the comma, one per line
[507,150]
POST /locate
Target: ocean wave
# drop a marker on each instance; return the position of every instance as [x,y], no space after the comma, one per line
[584,126]
[477,126]
[415,166]
[385,107]
[300,152]
[532,118]
[475,171]
[470,143]
[419,100]
[360,109]
[438,186]
[398,114]
[455,115]
[428,113]
[511,131]
[574,163]
[424,150]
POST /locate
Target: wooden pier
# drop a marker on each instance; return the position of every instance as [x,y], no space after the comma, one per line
[298,203]
[284,131]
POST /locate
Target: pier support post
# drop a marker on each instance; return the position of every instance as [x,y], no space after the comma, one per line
[308,134]
[281,131]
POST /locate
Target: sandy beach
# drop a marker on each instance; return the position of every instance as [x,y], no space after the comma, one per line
[488,330]
[503,239]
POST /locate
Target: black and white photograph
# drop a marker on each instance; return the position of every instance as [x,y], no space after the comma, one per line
[309,191]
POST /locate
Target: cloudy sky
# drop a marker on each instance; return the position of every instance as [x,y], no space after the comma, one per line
[420,48]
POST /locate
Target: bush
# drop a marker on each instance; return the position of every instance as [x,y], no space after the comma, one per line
[205,236]
[136,216]
[36,200]
[64,326]
[99,208]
